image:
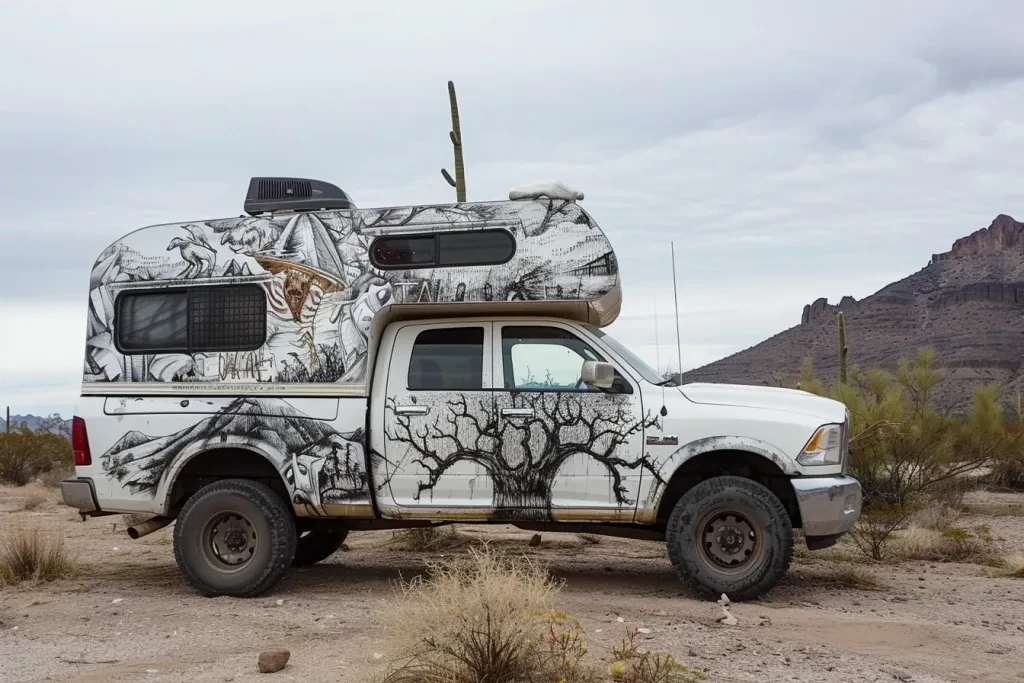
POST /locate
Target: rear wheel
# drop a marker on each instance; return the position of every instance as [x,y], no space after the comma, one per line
[234,537]
[316,546]
[730,535]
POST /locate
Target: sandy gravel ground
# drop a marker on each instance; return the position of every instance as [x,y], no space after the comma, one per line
[130,617]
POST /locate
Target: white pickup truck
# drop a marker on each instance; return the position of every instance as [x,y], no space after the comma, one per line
[275,381]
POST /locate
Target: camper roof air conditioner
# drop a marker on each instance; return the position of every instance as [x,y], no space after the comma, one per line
[294,194]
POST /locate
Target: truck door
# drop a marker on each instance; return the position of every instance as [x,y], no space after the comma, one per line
[563,447]
[438,417]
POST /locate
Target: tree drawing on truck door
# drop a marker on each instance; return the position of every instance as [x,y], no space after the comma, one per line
[524,457]
[319,464]
[322,287]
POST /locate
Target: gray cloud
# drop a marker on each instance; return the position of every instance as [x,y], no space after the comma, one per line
[792,150]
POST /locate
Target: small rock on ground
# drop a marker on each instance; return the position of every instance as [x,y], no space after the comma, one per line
[273,660]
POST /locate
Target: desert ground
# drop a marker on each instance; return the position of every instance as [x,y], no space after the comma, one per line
[129,616]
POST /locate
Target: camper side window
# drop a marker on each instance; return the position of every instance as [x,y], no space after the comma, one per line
[444,250]
[193,320]
[153,321]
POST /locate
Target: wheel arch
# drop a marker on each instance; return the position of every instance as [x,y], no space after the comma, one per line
[721,456]
[228,459]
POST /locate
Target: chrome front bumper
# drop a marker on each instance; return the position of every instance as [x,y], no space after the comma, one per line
[79,493]
[829,506]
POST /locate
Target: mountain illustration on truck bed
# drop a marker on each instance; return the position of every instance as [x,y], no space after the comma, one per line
[138,460]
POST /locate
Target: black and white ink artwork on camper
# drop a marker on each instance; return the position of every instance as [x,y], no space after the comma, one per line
[322,290]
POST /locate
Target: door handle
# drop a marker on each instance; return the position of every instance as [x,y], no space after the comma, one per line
[412,410]
[517,412]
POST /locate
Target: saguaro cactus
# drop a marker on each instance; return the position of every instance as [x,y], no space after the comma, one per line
[459,183]
[842,349]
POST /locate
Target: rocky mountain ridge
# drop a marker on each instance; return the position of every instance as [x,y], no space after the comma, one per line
[36,422]
[967,304]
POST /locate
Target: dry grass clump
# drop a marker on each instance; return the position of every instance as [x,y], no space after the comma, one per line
[937,516]
[894,533]
[474,619]
[955,544]
[31,554]
[52,478]
[427,538]
[487,617]
[851,576]
[33,502]
[1013,566]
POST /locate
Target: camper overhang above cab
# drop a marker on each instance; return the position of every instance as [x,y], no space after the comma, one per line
[312,276]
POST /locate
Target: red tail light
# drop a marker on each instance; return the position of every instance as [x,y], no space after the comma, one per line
[80,443]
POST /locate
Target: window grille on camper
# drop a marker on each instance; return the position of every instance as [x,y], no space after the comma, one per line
[192,320]
[446,249]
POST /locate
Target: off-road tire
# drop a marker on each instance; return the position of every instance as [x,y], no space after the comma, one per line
[272,522]
[766,514]
[317,546]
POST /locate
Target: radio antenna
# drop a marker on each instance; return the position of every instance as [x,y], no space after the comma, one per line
[675,295]
[657,347]
[657,350]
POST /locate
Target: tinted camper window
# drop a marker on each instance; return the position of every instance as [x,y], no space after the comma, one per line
[193,320]
[153,321]
[446,249]
[474,248]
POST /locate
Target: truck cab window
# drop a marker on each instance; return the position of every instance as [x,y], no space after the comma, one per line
[447,360]
[538,358]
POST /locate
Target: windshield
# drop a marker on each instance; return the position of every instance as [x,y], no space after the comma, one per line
[645,370]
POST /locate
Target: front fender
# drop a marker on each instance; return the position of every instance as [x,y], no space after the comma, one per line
[712,444]
[279,460]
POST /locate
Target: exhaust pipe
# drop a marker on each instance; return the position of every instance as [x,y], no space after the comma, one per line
[148,527]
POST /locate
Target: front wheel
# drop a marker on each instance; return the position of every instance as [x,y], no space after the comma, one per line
[234,537]
[730,535]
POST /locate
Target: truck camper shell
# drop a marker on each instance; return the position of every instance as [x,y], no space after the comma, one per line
[286,298]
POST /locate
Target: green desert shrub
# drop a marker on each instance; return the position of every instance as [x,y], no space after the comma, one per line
[26,455]
[906,454]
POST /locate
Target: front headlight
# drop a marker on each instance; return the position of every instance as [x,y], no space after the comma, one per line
[824,448]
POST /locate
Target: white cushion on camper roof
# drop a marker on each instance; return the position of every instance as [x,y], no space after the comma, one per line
[552,189]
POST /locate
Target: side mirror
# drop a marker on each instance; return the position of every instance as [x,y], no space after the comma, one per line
[598,374]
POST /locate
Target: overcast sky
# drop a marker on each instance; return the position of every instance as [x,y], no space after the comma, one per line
[791,149]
